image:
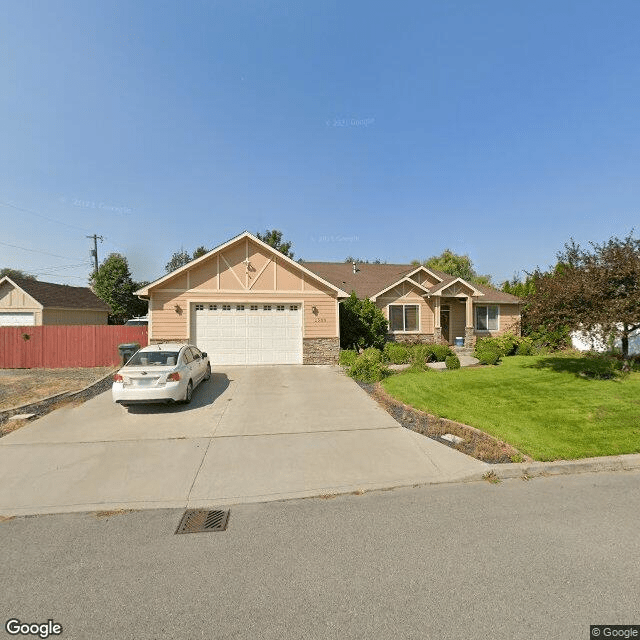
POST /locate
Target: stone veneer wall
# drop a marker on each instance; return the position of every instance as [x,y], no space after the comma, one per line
[320,350]
[411,338]
[469,338]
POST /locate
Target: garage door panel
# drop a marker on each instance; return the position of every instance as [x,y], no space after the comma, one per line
[17,319]
[248,333]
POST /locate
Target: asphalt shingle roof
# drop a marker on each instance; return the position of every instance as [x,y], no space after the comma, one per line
[61,296]
[373,278]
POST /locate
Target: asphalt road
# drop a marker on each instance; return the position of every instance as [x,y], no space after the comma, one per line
[537,559]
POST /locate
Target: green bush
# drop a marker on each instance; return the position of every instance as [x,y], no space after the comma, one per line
[487,356]
[525,347]
[508,343]
[362,324]
[452,362]
[347,357]
[421,354]
[397,353]
[373,354]
[440,351]
[368,368]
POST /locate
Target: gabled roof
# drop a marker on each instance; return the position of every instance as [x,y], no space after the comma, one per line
[372,279]
[144,291]
[445,285]
[59,296]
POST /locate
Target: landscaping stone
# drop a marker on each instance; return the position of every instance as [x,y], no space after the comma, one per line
[451,438]
[22,416]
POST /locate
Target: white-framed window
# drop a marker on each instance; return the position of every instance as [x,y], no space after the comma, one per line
[226,307]
[280,307]
[213,307]
[293,307]
[254,307]
[488,318]
[266,307]
[404,317]
[239,307]
[199,307]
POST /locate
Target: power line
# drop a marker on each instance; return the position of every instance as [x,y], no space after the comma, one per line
[55,255]
[39,215]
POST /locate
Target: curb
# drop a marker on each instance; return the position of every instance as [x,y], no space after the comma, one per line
[40,407]
[626,462]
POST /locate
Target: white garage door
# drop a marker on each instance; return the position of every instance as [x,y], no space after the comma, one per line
[15,319]
[248,333]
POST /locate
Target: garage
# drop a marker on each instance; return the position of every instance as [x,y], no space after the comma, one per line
[248,333]
[17,319]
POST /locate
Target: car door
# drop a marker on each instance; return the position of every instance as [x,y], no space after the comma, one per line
[198,364]
[190,371]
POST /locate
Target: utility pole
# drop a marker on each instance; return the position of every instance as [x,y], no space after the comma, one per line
[94,251]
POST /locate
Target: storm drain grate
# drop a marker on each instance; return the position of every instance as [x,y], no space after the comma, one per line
[202,520]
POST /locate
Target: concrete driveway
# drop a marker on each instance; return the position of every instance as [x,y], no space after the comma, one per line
[250,434]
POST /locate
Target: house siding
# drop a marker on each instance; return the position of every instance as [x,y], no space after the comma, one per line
[226,277]
[12,299]
[74,316]
[509,320]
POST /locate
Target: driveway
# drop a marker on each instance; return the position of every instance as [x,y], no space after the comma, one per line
[251,434]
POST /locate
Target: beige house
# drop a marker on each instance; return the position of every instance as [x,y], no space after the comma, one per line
[26,302]
[246,303]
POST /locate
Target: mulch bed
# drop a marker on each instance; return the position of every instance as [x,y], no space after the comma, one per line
[476,443]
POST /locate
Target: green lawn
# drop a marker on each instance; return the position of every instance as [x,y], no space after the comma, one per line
[538,404]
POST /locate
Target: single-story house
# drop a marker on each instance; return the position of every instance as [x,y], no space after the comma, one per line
[27,302]
[246,303]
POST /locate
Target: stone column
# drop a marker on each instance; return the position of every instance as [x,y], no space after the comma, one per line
[437,327]
[469,336]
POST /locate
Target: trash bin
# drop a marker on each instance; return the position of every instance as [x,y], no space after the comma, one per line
[127,350]
[459,341]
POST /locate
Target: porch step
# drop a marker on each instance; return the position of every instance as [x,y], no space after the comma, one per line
[462,351]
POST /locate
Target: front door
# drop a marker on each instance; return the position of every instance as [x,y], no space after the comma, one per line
[444,322]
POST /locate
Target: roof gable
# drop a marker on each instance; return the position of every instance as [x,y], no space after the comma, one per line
[234,273]
[59,296]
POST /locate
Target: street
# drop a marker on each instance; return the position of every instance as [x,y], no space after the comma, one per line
[543,558]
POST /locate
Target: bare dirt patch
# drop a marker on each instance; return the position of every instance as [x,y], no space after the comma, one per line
[475,443]
[24,386]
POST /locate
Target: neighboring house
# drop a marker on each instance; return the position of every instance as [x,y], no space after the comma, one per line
[246,303]
[592,341]
[26,302]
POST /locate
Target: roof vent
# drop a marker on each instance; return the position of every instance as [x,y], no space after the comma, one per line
[355,268]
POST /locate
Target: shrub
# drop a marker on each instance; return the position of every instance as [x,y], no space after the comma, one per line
[368,369]
[362,324]
[373,354]
[441,351]
[452,362]
[487,356]
[347,357]
[488,350]
[508,343]
[421,354]
[525,348]
[397,353]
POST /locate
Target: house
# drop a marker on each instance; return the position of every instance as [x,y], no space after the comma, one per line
[27,302]
[246,303]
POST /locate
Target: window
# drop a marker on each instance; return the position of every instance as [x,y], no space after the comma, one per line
[199,307]
[280,307]
[187,356]
[293,307]
[487,318]
[403,317]
[254,307]
[239,307]
[213,307]
[226,307]
[266,307]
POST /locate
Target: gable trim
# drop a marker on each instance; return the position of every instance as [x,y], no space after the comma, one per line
[398,283]
[13,284]
[144,291]
[439,288]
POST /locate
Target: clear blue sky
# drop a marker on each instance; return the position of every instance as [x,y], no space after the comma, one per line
[380,130]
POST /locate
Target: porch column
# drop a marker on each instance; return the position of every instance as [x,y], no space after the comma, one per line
[469,336]
[437,328]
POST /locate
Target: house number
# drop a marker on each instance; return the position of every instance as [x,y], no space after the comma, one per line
[320,320]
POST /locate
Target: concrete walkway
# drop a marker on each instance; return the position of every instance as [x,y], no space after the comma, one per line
[251,434]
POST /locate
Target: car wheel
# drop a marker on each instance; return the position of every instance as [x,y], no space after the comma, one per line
[189,394]
[207,375]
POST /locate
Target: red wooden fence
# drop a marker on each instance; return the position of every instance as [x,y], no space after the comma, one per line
[54,347]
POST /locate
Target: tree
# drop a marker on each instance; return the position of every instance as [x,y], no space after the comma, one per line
[273,238]
[595,290]
[113,284]
[15,273]
[182,257]
[362,324]
[457,265]
[178,259]
[363,261]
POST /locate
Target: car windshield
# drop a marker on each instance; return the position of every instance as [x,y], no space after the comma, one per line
[153,358]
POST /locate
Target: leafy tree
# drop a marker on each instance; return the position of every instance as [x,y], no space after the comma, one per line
[182,257]
[273,238]
[15,273]
[362,324]
[199,252]
[457,265]
[596,290]
[519,288]
[113,284]
[178,259]
[363,261]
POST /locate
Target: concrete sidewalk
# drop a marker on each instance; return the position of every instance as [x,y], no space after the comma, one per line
[251,434]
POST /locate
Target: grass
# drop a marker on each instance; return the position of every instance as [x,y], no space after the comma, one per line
[544,406]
